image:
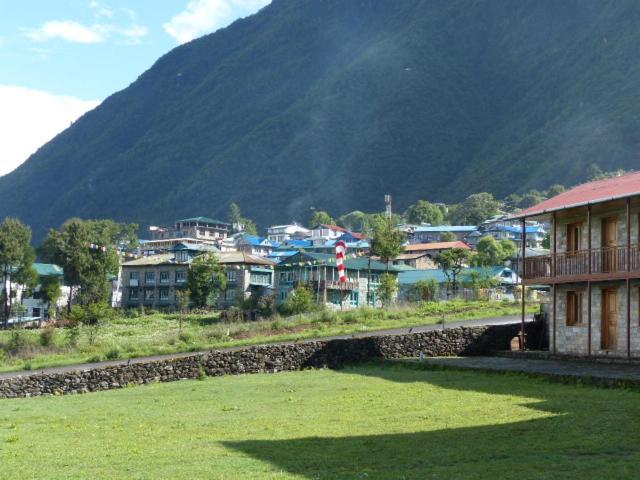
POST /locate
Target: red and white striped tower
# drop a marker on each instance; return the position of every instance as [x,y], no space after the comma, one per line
[341,252]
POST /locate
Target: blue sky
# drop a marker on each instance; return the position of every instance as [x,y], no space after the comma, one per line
[59,58]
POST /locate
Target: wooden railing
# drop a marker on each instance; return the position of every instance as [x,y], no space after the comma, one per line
[598,261]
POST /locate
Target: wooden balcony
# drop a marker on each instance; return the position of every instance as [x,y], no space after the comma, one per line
[596,264]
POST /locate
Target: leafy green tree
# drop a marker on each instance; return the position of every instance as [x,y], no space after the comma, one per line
[320,217]
[448,237]
[51,292]
[299,301]
[425,212]
[87,250]
[182,304]
[531,198]
[388,288]
[205,280]
[554,190]
[16,259]
[491,252]
[355,221]
[512,202]
[480,281]
[240,223]
[92,316]
[387,241]
[451,262]
[475,209]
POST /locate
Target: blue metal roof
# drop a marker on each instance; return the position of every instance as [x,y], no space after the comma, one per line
[413,276]
[447,228]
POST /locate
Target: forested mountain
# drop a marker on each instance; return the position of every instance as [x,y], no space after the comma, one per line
[333,103]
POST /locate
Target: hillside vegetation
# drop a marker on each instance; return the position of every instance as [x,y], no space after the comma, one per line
[332,103]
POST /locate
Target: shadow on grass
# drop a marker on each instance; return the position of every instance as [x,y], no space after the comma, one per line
[588,433]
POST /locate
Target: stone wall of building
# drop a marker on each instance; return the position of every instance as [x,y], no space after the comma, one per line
[269,358]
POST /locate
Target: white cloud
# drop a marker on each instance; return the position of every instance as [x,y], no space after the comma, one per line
[204,16]
[30,118]
[72,31]
[67,30]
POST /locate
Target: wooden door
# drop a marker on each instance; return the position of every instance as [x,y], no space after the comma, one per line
[609,244]
[609,328]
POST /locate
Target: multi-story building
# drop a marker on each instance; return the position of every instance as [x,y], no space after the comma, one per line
[282,233]
[593,269]
[153,280]
[504,228]
[202,229]
[320,273]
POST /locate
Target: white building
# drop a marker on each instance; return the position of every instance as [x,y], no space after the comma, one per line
[292,231]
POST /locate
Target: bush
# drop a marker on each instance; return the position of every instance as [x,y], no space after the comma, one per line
[47,337]
[328,316]
[185,337]
[299,301]
[17,342]
[113,354]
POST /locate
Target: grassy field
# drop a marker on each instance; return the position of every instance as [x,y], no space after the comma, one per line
[374,422]
[154,334]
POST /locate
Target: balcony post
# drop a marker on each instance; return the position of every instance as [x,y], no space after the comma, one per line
[589,237]
[524,256]
[554,227]
[628,235]
[589,316]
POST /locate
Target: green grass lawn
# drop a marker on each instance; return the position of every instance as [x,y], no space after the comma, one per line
[154,334]
[378,421]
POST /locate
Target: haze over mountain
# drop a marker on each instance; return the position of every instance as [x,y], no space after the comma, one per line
[333,103]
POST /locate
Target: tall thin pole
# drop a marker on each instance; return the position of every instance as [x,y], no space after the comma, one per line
[524,249]
[628,279]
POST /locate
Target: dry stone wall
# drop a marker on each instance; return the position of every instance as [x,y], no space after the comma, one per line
[266,359]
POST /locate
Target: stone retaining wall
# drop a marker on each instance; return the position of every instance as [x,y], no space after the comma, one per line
[267,359]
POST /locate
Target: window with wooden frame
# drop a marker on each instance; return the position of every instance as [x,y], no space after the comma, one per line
[574,308]
[574,231]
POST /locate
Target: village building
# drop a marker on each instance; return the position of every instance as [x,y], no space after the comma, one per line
[152,281]
[282,233]
[427,234]
[502,227]
[421,260]
[198,229]
[593,269]
[433,249]
[319,272]
[495,283]
[324,233]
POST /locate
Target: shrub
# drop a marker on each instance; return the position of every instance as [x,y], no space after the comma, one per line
[299,301]
[113,354]
[185,337]
[328,316]
[17,341]
[94,359]
[202,374]
[47,337]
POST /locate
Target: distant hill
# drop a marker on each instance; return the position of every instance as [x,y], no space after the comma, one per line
[332,103]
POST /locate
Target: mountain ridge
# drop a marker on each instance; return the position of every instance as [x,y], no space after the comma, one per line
[330,104]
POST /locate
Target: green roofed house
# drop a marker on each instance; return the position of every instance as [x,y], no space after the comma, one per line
[319,272]
[502,281]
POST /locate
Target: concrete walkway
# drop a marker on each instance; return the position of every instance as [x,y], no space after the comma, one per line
[396,331]
[598,373]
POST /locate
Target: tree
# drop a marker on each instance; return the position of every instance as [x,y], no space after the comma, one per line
[87,250]
[299,301]
[16,258]
[475,209]
[451,262]
[387,288]
[355,221]
[205,280]
[491,252]
[51,293]
[240,223]
[182,303]
[92,316]
[481,280]
[448,237]
[387,241]
[320,217]
[531,198]
[554,190]
[425,212]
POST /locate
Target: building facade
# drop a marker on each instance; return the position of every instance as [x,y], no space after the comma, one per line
[593,269]
[318,271]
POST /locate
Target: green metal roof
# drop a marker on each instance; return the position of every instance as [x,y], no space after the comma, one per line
[48,269]
[358,263]
[203,220]
[438,275]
